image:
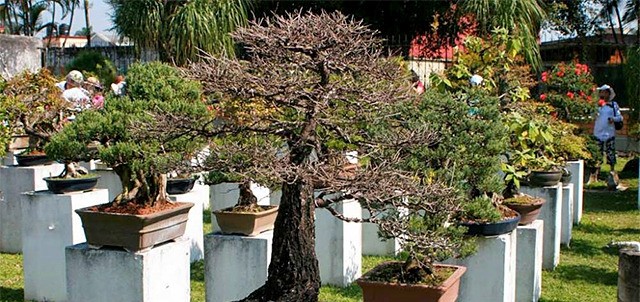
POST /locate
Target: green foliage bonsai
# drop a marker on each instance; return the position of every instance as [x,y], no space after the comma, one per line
[131,134]
[94,63]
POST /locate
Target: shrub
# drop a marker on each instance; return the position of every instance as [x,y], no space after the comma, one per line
[94,63]
[570,89]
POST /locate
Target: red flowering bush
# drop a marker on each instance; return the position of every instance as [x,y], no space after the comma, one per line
[570,89]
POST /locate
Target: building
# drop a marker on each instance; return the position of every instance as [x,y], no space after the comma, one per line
[97,40]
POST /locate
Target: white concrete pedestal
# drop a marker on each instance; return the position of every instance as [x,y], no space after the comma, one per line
[339,245]
[274,197]
[491,271]
[226,195]
[577,179]
[109,180]
[551,214]
[107,275]
[372,244]
[49,225]
[194,230]
[567,214]
[14,181]
[235,266]
[529,262]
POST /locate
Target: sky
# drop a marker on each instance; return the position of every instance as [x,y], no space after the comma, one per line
[99,17]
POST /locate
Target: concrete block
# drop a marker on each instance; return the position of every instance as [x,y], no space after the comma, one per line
[491,271]
[9,159]
[551,214]
[529,262]
[629,276]
[49,226]
[274,197]
[15,181]
[372,244]
[235,266]
[194,231]
[226,195]
[109,180]
[106,275]
[567,214]
[339,245]
[577,179]
[89,165]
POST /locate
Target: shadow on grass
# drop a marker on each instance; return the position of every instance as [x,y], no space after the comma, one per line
[607,201]
[197,271]
[588,274]
[601,229]
[11,294]
[583,248]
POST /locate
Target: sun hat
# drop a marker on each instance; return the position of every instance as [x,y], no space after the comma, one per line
[75,77]
[93,81]
[476,80]
[612,94]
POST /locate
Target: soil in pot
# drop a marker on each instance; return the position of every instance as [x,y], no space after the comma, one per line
[246,220]
[32,158]
[180,185]
[527,206]
[384,283]
[508,223]
[132,226]
[60,185]
[544,178]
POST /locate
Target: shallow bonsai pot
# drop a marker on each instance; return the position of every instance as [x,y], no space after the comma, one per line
[544,178]
[528,212]
[19,142]
[32,160]
[134,232]
[491,229]
[244,223]
[377,291]
[64,185]
[180,185]
[566,178]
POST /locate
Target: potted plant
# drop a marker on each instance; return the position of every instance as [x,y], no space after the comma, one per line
[130,135]
[526,205]
[73,178]
[181,182]
[485,216]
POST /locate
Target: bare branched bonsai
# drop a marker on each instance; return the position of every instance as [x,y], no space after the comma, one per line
[129,133]
[310,89]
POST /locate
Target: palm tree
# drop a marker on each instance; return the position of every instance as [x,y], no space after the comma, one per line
[87,24]
[521,17]
[180,30]
[631,14]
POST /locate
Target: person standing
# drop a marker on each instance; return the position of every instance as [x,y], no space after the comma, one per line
[607,121]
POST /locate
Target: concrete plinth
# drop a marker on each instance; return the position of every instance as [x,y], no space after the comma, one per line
[194,231]
[567,214]
[529,262]
[14,181]
[274,197]
[109,180]
[577,179]
[339,245]
[226,195]
[106,275]
[235,266]
[491,271]
[49,226]
[551,214]
[629,276]
[9,159]
[372,244]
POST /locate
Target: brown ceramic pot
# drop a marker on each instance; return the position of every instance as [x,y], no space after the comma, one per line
[134,232]
[244,223]
[528,212]
[376,291]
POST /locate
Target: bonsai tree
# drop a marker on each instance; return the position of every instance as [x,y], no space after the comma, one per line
[128,134]
[310,89]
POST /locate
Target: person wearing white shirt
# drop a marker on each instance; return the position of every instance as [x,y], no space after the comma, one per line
[604,129]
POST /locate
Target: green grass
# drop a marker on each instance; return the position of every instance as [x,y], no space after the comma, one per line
[587,271]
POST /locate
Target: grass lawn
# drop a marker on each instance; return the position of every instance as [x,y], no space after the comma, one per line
[587,271]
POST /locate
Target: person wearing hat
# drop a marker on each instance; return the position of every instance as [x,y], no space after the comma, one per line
[604,128]
[73,79]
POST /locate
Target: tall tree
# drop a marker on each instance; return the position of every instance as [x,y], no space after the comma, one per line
[631,14]
[180,30]
[87,23]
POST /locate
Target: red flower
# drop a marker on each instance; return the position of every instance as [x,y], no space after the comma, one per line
[570,94]
[581,93]
[210,107]
[589,98]
[578,71]
[543,97]
[560,73]
[545,76]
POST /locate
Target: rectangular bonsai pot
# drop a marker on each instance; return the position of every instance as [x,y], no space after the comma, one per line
[248,224]
[376,291]
[134,232]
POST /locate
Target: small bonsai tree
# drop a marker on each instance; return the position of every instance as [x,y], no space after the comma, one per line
[313,87]
[129,133]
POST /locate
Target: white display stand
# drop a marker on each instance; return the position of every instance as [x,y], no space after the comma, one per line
[14,181]
[491,271]
[109,180]
[529,262]
[577,179]
[567,214]
[226,195]
[628,276]
[235,266]
[372,244]
[107,275]
[194,229]
[49,226]
[551,214]
[274,197]
[339,245]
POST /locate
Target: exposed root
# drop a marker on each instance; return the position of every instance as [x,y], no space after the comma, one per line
[73,170]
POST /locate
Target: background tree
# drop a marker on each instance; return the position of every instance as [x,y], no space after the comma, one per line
[179,30]
[314,87]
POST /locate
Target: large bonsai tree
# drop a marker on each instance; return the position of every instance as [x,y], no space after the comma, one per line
[128,133]
[313,87]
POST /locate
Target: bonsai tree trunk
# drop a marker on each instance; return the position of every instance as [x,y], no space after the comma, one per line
[293,272]
[73,170]
[247,200]
[137,187]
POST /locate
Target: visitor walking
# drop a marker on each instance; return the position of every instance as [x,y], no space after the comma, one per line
[608,120]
